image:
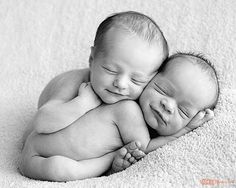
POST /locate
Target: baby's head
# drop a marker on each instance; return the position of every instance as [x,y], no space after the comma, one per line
[186,85]
[128,49]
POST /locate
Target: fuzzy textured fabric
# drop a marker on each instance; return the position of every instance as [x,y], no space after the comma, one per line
[40,39]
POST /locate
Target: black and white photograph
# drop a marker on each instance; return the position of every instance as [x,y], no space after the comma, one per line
[108,93]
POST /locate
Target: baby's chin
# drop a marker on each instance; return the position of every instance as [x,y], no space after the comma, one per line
[159,130]
[165,132]
[112,99]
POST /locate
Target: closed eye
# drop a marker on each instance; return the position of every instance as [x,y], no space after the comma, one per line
[184,112]
[138,82]
[159,89]
[109,70]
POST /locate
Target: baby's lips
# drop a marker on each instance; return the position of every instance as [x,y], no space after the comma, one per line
[165,119]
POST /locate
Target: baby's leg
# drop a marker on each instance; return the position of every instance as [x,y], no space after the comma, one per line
[126,156]
[60,168]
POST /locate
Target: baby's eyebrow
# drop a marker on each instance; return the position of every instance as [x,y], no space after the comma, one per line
[143,75]
[166,85]
[137,74]
[187,103]
[140,76]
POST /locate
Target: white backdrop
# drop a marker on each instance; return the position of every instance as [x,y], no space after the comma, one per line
[40,39]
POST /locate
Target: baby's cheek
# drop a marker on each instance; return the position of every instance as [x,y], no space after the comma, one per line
[136,92]
[180,123]
[184,123]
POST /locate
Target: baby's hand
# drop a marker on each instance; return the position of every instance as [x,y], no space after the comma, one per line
[126,156]
[199,119]
[87,93]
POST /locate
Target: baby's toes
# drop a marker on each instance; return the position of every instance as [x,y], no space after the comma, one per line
[122,152]
[132,160]
[127,156]
[125,164]
[133,146]
[82,87]
[138,154]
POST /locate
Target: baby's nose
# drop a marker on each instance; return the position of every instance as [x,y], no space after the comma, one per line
[121,82]
[168,105]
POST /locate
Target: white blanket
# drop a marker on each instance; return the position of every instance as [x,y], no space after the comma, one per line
[42,38]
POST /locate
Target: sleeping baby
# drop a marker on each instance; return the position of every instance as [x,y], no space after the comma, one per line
[183,93]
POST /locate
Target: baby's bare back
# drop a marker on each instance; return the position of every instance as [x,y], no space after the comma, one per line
[92,135]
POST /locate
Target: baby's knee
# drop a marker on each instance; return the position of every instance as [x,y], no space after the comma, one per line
[21,167]
[25,167]
[52,168]
[23,163]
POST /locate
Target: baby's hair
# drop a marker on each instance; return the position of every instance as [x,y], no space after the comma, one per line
[205,64]
[133,22]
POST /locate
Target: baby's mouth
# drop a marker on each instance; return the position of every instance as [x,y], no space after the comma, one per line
[158,115]
[115,93]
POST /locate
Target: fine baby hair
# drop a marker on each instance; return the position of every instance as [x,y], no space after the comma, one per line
[134,23]
[202,62]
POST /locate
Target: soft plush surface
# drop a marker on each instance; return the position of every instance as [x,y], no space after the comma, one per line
[42,38]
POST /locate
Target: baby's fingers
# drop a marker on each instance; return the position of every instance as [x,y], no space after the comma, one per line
[209,115]
[205,116]
[201,118]
[83,85]
[88,84]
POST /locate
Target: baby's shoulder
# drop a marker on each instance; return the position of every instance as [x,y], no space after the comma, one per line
[73,75]
[64,86]
[128,113]
[127,108]
[70,77]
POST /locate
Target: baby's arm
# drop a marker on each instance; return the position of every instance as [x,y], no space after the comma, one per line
[54,115]
[61,89]
[134,133]
[130,123]
[121,161]
[64,87]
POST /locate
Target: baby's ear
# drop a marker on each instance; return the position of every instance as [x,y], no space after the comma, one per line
[201,118]
[91,57]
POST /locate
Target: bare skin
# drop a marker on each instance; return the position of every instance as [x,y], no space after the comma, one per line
[126,156]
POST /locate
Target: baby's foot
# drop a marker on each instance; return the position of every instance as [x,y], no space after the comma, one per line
[120,161]
[126,156]
[134,149]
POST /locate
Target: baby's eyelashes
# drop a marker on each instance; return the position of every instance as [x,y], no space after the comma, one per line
[160,90]
[111,71]
[138,82]
[183,113]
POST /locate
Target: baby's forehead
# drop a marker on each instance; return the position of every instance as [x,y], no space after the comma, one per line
[185,77]
[178,61]
[182,68]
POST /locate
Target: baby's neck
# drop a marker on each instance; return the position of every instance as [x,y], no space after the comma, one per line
[153,133]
